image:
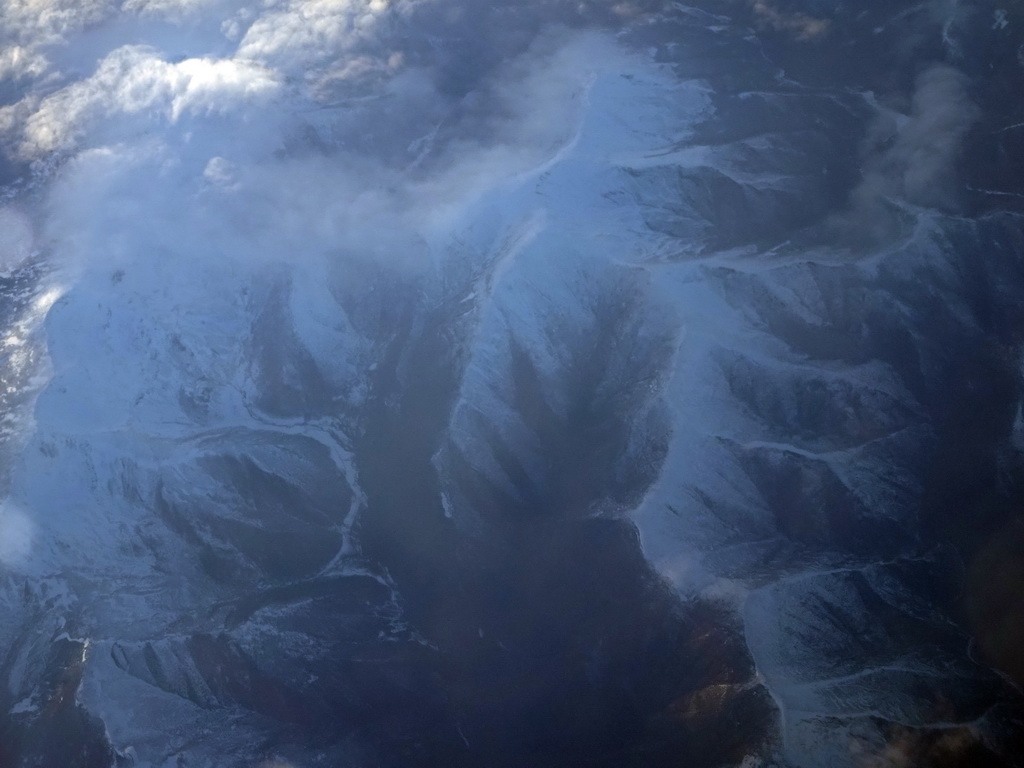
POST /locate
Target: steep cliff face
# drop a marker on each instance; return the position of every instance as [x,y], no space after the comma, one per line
[684,430]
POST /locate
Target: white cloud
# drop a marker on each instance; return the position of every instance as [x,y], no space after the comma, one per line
[319,42]
[177,10]
[27,26]
[39,21]
[16,238]
[912,157]
[929,144]
[15,535]
[306,29]
[20,61]
[220,173]
[133,80]
[307,36]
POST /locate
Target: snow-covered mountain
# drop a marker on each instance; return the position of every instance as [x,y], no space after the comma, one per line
[415,385]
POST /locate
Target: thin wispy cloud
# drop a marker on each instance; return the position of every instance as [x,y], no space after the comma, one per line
[911,156]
